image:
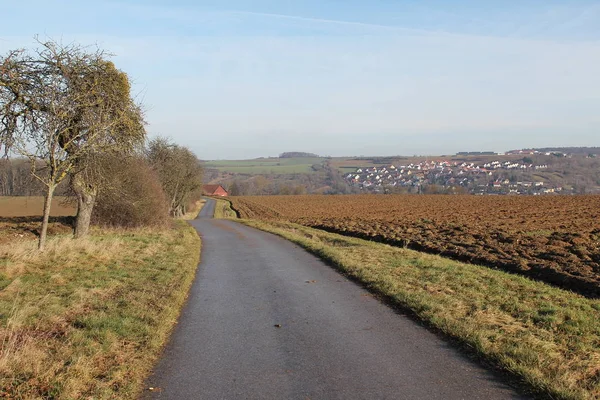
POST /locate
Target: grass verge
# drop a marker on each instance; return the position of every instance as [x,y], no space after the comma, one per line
[194,210]
[223,209]
[87,318]
[547,337]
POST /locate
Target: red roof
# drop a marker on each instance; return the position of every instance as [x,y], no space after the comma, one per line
[214,190]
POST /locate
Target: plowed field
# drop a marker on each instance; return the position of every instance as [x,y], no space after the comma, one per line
[555,239]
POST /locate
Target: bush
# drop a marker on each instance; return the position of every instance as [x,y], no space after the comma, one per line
[130,196]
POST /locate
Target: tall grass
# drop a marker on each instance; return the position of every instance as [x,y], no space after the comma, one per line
[87,318]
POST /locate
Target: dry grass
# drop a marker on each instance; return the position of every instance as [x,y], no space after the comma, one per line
[194,210]
[87,318]
[34,206]
[223,209]
[547,337]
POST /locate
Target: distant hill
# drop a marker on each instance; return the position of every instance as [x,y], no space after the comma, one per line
[476,153]
[297,154]
[530,171]
[568,150]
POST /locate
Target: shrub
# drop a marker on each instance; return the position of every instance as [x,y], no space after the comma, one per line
[131,195]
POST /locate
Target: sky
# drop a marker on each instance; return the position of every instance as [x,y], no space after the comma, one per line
[254,78]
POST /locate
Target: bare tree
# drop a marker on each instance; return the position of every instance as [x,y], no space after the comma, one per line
[59,106]
[179,171]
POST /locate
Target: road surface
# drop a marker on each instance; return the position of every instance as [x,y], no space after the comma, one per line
[266,320]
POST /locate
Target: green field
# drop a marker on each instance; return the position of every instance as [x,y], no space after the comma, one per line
[266,165]
[292,165]
[347,170]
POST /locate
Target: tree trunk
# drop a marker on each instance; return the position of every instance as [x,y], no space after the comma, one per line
[177,213]
[47,205]
[86,198]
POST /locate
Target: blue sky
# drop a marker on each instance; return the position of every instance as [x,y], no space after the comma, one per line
[243,79]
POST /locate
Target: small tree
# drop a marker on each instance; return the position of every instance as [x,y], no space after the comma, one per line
[179,171]
[33,107]
[59,106]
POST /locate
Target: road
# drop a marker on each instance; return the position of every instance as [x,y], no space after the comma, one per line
[266,320]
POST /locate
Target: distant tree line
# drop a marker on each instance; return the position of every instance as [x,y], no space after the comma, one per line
[567,150]
[294,154]
[16,180]
[326,180]
[475,153]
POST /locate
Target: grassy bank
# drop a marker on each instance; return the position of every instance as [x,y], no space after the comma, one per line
[547,337]
[87,318]
[223,209]
[194,210]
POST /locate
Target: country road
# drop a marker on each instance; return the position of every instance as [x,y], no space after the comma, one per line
[266,320]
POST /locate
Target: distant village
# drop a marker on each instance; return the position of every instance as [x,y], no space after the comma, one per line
[563,170]
[453,176]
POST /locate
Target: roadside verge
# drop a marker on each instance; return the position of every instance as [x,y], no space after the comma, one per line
[223,209]
[88,318]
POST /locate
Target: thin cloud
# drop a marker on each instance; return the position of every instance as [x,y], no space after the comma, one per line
[359,24]
[537,27]
[585,16]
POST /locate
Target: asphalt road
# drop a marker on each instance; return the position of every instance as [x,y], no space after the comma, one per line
[266,320]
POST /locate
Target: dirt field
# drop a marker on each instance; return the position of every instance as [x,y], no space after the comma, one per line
[33,206]
[555,239]
[20,217]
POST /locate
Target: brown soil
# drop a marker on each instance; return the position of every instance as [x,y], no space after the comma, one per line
[28,228]
[34,206]
[555,239]
[21,217]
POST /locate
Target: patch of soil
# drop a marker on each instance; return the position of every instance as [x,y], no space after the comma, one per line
[555,239]
[28,228]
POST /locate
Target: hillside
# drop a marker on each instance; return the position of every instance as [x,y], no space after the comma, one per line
[524,173]
[566,150]
[528,171]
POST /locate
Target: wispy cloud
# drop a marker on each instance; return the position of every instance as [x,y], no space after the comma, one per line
[355,24]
